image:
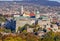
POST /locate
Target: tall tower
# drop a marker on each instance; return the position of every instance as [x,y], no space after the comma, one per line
[22,9]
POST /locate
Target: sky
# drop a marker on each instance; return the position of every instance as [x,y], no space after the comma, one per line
[55,0]
[21,0]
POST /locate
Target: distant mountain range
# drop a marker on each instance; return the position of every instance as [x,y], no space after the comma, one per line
[42,2]
[38,2]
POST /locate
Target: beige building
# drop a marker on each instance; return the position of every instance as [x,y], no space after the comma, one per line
[22,22]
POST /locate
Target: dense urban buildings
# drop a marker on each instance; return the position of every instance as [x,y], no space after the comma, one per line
[29,19]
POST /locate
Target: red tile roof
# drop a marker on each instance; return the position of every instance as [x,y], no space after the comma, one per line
[32,14]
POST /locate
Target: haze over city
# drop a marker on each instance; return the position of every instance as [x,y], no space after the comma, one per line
[22,0]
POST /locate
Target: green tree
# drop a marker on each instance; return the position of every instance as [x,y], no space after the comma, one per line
[49,36]
[24,31]
[7,30]
[19,28]
[2,19]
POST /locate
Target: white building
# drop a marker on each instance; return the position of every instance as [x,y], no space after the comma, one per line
[30,30]
[55,28]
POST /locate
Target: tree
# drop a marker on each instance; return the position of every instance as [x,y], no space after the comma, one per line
[9,39]
[24,31]
[19,28]
[18,39]
[0,37]
[49,36]
[32,37]
[7,30]
[2,19]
